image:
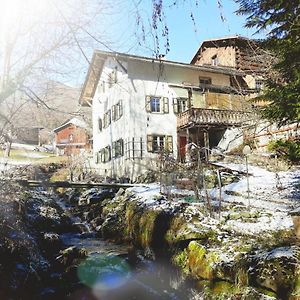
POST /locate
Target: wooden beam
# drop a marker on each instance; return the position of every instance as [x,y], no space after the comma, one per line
[67,184]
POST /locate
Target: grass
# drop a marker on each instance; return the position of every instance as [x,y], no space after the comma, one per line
[20,155]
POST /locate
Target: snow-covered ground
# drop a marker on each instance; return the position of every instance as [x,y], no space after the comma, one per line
[6,164]
[268,190]
[272,196]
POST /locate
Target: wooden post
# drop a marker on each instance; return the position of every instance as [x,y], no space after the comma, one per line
[141,145]
[220,191]
[246,152]
[133,148]
[206,144]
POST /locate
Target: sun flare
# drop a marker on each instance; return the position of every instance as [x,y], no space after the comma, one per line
[18,13]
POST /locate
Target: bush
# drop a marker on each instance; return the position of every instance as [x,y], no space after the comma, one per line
[289,150]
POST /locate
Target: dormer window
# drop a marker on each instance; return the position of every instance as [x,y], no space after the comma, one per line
[214,60]
[204,80]
[258,84]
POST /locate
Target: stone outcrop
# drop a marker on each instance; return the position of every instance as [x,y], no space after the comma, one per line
[201,246]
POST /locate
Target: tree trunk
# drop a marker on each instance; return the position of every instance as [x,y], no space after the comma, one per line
[7,149]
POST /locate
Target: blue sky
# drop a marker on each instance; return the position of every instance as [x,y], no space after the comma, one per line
[185,36]
[120,32]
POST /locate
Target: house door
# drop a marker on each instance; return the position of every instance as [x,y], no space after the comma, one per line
[182,148]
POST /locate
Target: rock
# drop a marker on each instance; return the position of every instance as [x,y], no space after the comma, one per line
[72,196]
[70,255]
[181,232]
[44,214]
[275,269]
[51,241]
[200,261]
[94,195]
[120,192]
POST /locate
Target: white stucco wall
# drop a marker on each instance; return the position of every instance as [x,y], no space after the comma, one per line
[133,84]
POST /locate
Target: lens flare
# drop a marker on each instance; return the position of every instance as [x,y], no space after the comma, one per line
[104,272]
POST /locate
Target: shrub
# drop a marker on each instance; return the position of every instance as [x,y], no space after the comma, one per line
[289,150]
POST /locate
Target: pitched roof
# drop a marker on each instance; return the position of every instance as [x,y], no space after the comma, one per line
[99,57]
[74,121]
[222,41]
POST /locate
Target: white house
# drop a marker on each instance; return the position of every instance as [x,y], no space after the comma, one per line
[135,103]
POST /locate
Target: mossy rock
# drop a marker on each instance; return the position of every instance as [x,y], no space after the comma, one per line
[295,295]
[147,225]
[201,262]
[108,206]
[275,270]
[245,216]
[219,288]
[180,259]
[181,232]
[132,218]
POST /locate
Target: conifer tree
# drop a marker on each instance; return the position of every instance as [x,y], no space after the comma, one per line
[282,20]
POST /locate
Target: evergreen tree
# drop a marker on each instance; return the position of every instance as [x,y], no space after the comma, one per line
[282,19]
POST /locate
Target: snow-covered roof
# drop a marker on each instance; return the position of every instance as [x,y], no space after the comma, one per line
[75,121]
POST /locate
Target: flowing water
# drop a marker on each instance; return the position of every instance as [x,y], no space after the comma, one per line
[114,272]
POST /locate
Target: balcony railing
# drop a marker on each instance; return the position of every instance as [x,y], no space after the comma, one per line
[202,116]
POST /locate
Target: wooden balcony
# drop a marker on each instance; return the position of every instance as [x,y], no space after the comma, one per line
[211,117]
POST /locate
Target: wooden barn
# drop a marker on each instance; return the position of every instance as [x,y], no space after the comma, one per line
[72,137]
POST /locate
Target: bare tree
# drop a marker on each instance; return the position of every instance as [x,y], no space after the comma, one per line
[42,41]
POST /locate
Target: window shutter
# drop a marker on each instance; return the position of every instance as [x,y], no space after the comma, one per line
[109,116]
[109,153]
[149,143]
[114,149]
[113,112]
[102,157]
[120,109]
[175,105]
[100,124]
[166,105]
[121,147]
[148,102]
[170,143]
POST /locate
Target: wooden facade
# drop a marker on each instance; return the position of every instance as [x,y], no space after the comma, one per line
[237,52]
[199,117]
[71,139]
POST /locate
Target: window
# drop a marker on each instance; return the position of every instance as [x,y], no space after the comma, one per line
[157,104]
[214,60]
[258,84]
[204,80]
[105,154]
[117,111]
[100,124]
[158,143]
[106,119]
[180,105]
[113,77]
[117,148]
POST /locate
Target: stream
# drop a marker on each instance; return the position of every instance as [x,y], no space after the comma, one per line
[118,272]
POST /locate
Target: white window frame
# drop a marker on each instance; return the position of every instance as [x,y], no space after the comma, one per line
[162,107]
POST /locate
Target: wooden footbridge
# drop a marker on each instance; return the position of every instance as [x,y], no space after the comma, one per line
[67,184]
